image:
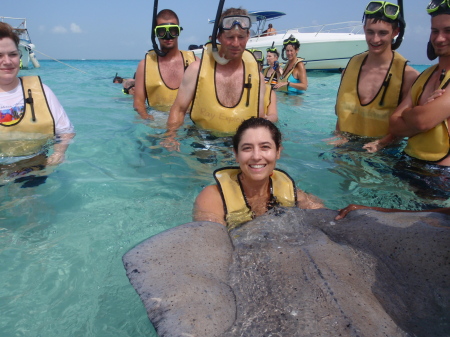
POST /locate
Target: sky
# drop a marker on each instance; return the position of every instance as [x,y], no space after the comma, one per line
[113,29]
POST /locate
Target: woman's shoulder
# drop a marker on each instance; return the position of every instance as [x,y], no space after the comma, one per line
[209,197]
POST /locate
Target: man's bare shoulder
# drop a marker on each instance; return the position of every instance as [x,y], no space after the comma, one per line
[411,73]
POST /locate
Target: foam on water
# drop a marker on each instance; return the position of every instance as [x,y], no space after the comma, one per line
[62,241]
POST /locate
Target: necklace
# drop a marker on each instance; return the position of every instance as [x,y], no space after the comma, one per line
[271,203]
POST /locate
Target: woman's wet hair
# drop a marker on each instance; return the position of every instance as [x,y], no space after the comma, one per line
[254,123]
[6,31]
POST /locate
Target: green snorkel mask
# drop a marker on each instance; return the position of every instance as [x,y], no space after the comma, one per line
[258,55]
[436,7]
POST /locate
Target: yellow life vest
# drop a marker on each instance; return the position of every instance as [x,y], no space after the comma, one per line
[24,137]
[286,75]
[271,80]
[372,119]
[237,211]
[159,95]
[434,144]
[207,112]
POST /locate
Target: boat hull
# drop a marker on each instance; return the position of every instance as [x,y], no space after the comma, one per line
[321,51]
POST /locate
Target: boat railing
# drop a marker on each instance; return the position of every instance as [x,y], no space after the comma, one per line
[349,27]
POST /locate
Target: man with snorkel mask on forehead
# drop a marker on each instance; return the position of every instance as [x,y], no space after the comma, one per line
[424,115]
[225,86]
[159,77]
[374,82]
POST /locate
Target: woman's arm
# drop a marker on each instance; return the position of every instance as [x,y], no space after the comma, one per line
[308,201]
[209,206]
[352,207]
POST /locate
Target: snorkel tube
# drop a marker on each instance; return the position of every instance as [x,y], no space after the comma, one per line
[215,51]
[401,20]
[155,45]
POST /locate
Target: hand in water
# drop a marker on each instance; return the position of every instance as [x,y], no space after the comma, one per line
[56,158]
[352,207]
[374,146]
[171,144]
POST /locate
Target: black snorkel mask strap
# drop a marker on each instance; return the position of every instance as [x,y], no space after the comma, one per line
[215,50]
[402,26]
[155,45]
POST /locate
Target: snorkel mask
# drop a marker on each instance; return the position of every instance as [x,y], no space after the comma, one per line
[168,31]
[388,12]
[258,55]
[273,50]
[434,8]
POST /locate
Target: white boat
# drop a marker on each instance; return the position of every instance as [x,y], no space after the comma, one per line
[26,48]
[324,47]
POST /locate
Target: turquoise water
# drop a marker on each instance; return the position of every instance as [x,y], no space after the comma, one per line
[62,241]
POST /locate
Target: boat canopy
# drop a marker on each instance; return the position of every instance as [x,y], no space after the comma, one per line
[261,16]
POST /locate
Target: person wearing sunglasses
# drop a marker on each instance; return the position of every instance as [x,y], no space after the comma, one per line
[293,78]
[424,115]
[159,77]
[223,93]
[374,82]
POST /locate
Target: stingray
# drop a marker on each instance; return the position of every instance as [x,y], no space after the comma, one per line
[296,272]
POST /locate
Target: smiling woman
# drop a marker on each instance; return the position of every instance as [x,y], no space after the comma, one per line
[256,186]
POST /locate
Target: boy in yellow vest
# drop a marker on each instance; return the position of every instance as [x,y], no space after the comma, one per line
[424,115]
[374,82]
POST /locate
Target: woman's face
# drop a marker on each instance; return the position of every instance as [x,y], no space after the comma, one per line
[9,62]
[291,52]
[271,58]
[257,154]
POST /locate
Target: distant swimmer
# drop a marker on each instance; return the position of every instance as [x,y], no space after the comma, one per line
[129,87]
[374,82]
[293,79]
[30,114]
[424,115]
[256,186]
[159,75]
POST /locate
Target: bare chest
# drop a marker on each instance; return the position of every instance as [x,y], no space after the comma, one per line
[172,72]
[229,88]
[370,83]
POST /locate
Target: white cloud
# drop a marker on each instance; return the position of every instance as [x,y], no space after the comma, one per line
[59,30]
[74,28]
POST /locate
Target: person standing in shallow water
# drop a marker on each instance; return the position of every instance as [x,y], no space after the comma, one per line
[30,113]
[376,81]
[256,186]
[159,77]
[424,115]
